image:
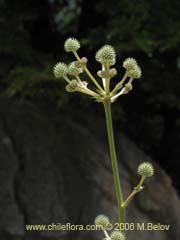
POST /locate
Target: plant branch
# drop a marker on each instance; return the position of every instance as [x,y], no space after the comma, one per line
[88,73]
[137,189]
[119,85]
[123,91]
[106,234]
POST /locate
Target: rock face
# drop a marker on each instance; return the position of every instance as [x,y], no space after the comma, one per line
[54,169]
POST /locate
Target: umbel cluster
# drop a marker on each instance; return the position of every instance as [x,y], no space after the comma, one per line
[107,57]
[71,73]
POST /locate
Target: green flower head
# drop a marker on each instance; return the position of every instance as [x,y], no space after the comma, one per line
[60,70]
[71,45]
[106,55]
[146,169]
[102,221]
[73,69]
[135,72]
[117,235]
[129,63]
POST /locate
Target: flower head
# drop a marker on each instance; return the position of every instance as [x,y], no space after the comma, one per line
[60,70]
[134,72]
[117,235]
[72,86]
[102,221]
[132,68]
[106,55]
[71,45]
[146,169]
[129,63]
[73,69]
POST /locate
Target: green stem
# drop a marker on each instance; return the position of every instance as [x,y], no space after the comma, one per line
[89,74]
[117,185]
[119,85]
[137,189]
[107,80]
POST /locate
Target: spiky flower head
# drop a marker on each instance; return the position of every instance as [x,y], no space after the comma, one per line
[60,70]
[102,221]
[71,45]
[146,169]
[74,70]
[106,55]
[129,63]
[135,72]
[72,86]
[117,235]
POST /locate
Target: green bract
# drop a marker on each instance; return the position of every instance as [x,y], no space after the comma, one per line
[71,45]
[117,235]
[106,55]
[146,169]
[73,69]
[102,220]
[60,70]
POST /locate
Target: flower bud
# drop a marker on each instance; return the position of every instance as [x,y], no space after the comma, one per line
[84,84]
[129,63]
[146,169]
[102,221]
[71,45]
[73,70]
[112,72]
[128,87]
[106,55]
[103,74]
[99,73]
[84,61]
[72,86]
[135,72]
[117,235]
[60,70]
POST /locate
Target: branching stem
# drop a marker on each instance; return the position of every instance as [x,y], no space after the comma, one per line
[89,74]
[119,85]
[137,189]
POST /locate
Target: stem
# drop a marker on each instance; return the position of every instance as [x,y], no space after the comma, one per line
[119,85]
[88,73]
[137,189]
[67,79]
[117,185]
[87,91]
[107,80]
[106,234]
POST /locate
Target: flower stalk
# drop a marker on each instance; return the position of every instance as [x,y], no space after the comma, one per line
[117,184]
[136,190]
[88,73]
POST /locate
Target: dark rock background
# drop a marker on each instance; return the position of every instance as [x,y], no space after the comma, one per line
[55,168]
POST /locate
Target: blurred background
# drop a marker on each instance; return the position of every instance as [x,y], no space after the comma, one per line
[32,35]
